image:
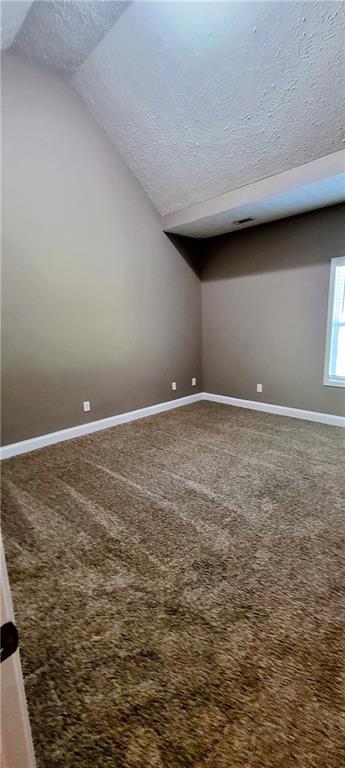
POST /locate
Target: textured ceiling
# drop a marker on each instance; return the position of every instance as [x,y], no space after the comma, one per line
[12,16]
[198,97]
[205,97]
[62,33]
[307,197]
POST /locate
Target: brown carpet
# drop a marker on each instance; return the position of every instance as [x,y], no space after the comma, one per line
[179,590]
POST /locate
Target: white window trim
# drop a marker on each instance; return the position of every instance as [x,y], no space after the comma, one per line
[331,381]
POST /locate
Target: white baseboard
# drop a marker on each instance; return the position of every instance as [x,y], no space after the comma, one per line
[280,410]
[25,446]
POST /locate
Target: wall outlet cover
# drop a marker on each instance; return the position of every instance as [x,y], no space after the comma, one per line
[173,386]
[86,406]
[194,381]
[259,387]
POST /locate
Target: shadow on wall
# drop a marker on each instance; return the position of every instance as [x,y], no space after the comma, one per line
[192,251]
[300,241]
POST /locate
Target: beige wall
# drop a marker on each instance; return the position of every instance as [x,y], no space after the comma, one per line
[98,304]
[264,307]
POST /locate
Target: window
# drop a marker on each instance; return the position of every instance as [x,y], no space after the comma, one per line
[335,340]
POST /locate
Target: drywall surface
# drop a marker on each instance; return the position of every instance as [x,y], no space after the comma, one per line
[328,189]
[201,98]
[264,310]
[98,304]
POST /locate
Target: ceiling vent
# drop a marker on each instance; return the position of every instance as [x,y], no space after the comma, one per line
[243,221]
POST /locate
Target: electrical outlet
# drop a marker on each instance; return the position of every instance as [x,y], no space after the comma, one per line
[86,406]
[173,386]
[194,381]
[259,387]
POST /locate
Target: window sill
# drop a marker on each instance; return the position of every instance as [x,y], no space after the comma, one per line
[334,383]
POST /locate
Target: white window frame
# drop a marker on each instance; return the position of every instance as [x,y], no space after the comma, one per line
[328,380]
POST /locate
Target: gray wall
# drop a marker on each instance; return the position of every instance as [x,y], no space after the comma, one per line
[264,308]
[98,304]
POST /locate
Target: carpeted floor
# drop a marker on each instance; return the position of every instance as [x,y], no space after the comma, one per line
[179,587]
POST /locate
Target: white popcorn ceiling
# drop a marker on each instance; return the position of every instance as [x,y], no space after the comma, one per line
[12,17]
[61,34]
[200,97]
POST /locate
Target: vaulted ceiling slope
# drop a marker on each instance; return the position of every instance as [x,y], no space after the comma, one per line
[199,97]
[61,34]
[12,15]
[203,98]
